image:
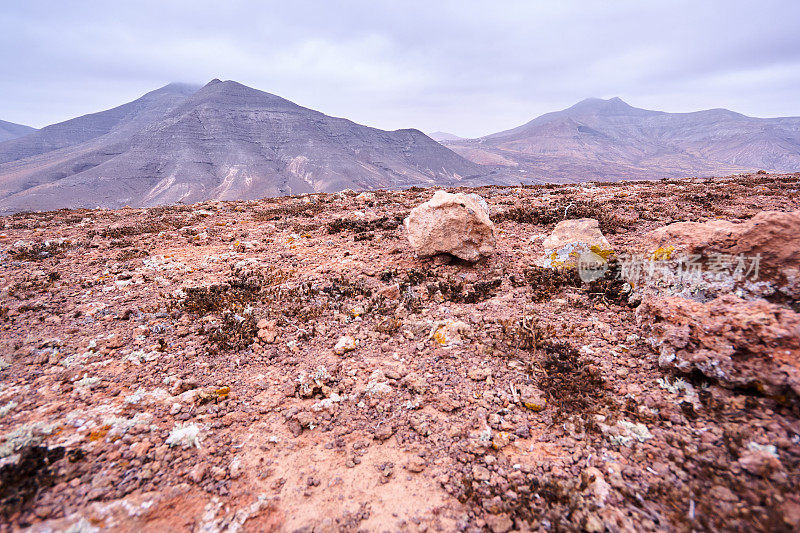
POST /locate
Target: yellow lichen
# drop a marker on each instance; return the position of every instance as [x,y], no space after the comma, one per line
[663,253]
[440,336]
[535,406]
[602,252]
[98,434]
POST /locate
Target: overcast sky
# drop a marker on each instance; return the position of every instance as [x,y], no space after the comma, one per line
[469,68]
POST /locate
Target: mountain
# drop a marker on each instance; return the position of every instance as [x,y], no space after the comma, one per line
[444,136]
[610,140]
[9,130]
[225,141]
[111,125]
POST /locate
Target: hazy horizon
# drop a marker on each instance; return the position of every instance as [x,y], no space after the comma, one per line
[462,68]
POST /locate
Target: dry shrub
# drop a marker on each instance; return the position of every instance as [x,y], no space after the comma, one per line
[551,215]
[461,292]
[39,251]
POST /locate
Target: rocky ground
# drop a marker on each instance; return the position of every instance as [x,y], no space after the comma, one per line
[289,364]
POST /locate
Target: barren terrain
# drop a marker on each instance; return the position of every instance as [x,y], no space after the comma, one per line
[188,368]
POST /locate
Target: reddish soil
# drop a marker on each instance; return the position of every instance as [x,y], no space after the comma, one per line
[118,326]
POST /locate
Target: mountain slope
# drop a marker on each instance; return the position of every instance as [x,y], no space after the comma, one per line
[9,130]
[444,136]
[228,141]
[118,122]
[609,139]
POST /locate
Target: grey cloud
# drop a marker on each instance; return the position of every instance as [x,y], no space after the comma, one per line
[467,67]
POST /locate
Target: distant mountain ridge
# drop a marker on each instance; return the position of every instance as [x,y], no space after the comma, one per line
[119,121]
[184,143]
[600,139]
[223,141]
[444,136]
[9,130]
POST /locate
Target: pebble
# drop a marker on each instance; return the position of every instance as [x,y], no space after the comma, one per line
[235,468]
[533,399]
[345,344]
[416,464]
[198,472]
[479,373]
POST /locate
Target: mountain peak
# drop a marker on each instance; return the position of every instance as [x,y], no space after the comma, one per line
[226,141]
[615,103]
[229,93]
[444,136]
[176,87]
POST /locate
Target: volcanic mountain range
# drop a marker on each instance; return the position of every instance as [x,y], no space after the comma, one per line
[610,140]
[223,141]
[183,143]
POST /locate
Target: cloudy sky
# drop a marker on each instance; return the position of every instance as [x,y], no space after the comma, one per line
[470,68]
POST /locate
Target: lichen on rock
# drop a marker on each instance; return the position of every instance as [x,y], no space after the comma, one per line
[571,239]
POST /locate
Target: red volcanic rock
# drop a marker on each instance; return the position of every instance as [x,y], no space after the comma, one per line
[772,235]
[739,343]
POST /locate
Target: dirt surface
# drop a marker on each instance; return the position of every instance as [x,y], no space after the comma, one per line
[289,365]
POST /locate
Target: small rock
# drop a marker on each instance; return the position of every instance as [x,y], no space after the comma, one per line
[294,427]
[344,345]
[450,332]
[594,484]
[218,473]
[267,330]
[141,448]
[415,383]
[416,464]
[722,493]
[522,431]
[479,373]
[198,472]
[593,524]
[499,523]
[383,432]
[572,241]
[759,463]
[533,399]
[481,473]
[790,512]
[235,468]
[392,292]
[500,440]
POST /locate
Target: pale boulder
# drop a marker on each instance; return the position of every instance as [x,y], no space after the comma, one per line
[456,224]
[573,238]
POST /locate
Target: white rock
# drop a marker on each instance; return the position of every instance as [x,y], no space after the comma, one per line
[235,468]
[186,435]
[573,238]
[345,344]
